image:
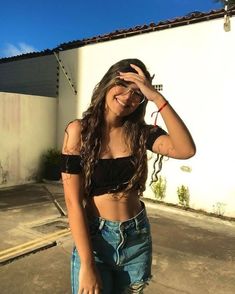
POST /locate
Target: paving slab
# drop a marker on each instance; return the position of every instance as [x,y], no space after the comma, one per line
[192,253]
[21,210]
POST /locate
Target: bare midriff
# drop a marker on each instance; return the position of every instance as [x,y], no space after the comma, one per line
[114,207]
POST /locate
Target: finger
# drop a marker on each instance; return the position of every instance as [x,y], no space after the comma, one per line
[131,76]
[121,73]
[82,291]
[133,79]
[138,69]
[97,291]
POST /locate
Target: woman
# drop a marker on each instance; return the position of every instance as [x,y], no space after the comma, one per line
[104,170]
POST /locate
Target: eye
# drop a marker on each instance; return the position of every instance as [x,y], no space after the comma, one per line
[138,93]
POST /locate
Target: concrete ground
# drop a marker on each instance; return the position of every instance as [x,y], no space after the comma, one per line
[193,253]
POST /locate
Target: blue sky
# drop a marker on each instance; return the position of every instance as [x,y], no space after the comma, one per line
[29,26]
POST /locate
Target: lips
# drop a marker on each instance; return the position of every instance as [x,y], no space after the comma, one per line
[121,103]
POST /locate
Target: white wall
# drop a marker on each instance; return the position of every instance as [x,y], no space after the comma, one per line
[68,100]
[195,63]
[27,128]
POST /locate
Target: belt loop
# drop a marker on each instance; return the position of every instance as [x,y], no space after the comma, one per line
[101,224]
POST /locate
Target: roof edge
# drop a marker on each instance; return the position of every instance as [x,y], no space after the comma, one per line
[26,56]
[190,18]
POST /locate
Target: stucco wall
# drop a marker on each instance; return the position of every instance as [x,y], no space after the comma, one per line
[33,76]
[195,63]
[68,100]
[27,128]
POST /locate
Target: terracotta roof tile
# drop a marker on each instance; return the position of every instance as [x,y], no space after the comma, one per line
[190,18]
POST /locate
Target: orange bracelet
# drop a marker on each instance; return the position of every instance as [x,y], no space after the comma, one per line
[159,110]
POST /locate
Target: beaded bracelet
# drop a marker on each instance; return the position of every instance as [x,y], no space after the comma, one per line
[158,111]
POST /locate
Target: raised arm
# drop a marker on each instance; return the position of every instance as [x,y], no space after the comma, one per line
[178,143]
[74,198]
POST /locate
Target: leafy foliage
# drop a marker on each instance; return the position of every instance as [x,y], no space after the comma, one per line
[159,188]
[50,164]
[52,156]
[230,2]
[183,195]
[219,208]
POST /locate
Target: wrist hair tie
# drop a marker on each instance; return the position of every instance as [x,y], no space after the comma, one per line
[157,112]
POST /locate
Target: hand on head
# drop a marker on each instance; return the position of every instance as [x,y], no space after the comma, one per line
[140,80]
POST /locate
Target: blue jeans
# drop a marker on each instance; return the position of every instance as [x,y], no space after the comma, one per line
[122,252]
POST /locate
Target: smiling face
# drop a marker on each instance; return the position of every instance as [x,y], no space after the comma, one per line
[111,99]
[123,99]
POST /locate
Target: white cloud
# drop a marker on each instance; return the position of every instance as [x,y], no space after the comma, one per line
[20,48]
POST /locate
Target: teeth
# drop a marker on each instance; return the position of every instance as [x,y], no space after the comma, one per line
[120,102]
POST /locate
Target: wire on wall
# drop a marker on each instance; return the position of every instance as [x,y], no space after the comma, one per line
[65,73]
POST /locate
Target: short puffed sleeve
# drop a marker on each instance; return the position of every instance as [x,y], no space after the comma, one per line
[154,133]
[71,164]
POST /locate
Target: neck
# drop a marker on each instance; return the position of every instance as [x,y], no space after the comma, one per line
[113,122]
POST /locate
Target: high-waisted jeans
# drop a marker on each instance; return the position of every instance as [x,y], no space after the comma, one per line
[122,252]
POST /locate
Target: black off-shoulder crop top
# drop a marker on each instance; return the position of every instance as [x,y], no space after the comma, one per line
[112,174]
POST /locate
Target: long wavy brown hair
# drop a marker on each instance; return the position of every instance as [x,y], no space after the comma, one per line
[134,126]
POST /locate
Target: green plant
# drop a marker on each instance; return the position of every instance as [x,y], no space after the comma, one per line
[3,175]
[183,195]
[51,164]
[51,156]
[230,3]
[159,188]
[219,208]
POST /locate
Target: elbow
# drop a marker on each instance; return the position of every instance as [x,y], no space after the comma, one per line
[190,152]
[193,150]
[184,153]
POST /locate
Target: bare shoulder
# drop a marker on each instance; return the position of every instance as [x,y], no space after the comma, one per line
[72,138]
[74,128]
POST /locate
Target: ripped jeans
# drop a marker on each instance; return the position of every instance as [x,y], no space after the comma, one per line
[123,254]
